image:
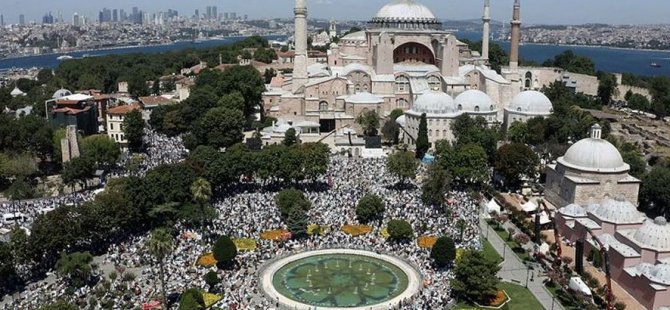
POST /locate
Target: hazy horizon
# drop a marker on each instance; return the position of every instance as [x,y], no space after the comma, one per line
[533,12]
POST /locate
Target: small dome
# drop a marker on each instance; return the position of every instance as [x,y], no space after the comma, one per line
[405,10]
[364,97]
[61,93]
[573,210]
[654,234]
[532,102]
[434,102]
[354,36]
[618,211]
[475,101]
[401,120]
[659,274]
[595,155]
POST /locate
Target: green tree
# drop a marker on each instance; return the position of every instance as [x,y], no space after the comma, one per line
[133,129]
[638,166]
[315,159]
[422,144]
[221,127]
[212,279]
[515,161]
[369,120]
[290,137]
[660,92]
[234,100]
[160,245]
[76,267]
[45,76]
[290,199]
[297,222]
[518,132]
[10,278]
[78,171]
[570,61]
[435,186]
[468,130]
[400,230]
[391,129]
[655,193]
[191,299]
[607,87]
[443,252]
[137,86]
[467,164]
[156,87]
[403,165]
[101,149]
[201,191]
[475,277]
[224,251]
[639,102]
[370,208]
[247,81]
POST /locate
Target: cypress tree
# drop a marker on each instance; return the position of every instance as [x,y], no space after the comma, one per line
[422,144]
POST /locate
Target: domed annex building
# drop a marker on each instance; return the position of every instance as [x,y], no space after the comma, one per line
[526,105]
[404,59]
[590,171]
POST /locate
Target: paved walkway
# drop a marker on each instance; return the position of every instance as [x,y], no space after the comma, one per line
[515,271]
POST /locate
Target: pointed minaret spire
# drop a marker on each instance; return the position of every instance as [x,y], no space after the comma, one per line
[486,33]
[516,37]
[300,76]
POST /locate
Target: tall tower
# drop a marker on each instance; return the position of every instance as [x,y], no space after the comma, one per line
[332,32]
[516,37]
[300,63]
[486,32]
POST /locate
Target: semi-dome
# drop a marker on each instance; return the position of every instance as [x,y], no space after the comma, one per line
[594,155]
[475,101]
[654,234]
[61,93]
[405,9]
[364,97]
[531,102]
[618,211]
[435,103]
[573,210]
[405,14]
[659,274]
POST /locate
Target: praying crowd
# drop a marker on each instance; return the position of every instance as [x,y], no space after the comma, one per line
[247,209]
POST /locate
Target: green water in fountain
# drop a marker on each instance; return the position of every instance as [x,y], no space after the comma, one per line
[340,280]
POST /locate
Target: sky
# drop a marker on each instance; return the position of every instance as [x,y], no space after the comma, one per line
[533,11]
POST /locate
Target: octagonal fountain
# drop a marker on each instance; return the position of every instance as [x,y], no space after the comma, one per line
[339,279]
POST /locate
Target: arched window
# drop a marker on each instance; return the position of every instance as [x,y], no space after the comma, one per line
[402,84]
[323,106]
[444,133]
[401,103]
[357,89]
[476,108]
[430,133]
[434,83]
[460,107]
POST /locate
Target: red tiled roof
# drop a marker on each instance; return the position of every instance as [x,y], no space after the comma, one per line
[123,109]
[154,100]
[71,111]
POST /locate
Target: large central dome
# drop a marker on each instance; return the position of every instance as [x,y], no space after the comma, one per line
[406,15]
[405,9]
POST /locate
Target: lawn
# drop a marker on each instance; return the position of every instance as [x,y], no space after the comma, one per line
[491,253]
[562,297]
[513,245]
[522,299]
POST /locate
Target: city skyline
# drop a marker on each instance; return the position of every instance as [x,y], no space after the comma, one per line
[534,12]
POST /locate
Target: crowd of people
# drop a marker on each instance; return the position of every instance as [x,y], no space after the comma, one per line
[247,209]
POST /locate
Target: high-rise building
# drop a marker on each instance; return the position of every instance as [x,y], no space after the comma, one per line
[197,14]
[48,18]
[215,14]
[115,15]
[123,16]
[233,15]
[75,20]
[2,20]
[22,19]
[246,17]
[208,14]
[226,16]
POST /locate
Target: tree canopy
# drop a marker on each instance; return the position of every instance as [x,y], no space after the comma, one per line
[403,165]
[516,161]
[370,208]
[475,277]
[443,251]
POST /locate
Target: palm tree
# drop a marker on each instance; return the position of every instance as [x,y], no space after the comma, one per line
[202,193]
[160,245]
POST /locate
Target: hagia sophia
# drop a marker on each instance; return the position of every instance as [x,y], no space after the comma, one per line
[405,60]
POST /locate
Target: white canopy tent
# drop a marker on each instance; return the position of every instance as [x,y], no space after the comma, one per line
[544,218]
[577,284]
[492,206]
[529,207]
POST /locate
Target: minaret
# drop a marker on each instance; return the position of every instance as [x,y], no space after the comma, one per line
[486,33]
[516,37]
[300,63]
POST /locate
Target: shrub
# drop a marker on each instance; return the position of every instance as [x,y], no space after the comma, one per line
[370,208]
[191,299]
[400,229]
[212,279]
[444,251]
[224,250]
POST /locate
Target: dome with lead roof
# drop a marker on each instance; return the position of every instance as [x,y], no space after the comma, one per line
[531,102]
[405,14]
[434,103]
[475,101]
[654,234]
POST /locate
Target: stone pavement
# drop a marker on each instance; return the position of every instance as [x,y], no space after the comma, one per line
[515,271]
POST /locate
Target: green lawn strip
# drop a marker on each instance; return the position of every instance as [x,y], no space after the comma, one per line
[561,297]
[522,299]
[490,252]
[520,252]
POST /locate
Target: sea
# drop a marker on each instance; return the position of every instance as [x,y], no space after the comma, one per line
[606,59]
